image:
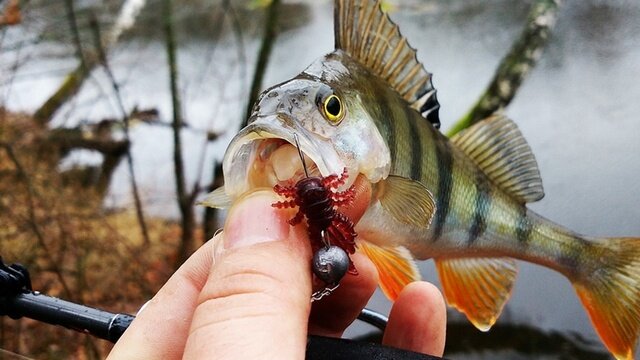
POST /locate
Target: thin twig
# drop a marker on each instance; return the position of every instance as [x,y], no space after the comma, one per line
[74,80]
[513,68]
[75,33]
[31,206]
[125,117]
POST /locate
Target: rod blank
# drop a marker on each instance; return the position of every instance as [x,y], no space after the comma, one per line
[37,306]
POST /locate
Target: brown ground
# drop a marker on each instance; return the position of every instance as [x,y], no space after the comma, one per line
[74,248]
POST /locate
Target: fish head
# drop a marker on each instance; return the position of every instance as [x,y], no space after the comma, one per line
[322,114]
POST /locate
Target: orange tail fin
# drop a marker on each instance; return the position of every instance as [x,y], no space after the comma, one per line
[611,295]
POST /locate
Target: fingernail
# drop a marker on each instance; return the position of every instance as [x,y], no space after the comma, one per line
[252,220]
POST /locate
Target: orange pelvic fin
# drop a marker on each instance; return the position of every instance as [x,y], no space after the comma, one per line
[395,266]
[478,287]
[611,295]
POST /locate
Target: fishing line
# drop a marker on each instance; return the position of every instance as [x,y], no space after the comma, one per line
[301,154]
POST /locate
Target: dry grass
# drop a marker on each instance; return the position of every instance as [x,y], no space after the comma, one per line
[72,246]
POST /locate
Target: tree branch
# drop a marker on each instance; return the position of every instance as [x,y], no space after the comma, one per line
[75,33]
[513,68]
[68,89]
[74,80]
[70,139]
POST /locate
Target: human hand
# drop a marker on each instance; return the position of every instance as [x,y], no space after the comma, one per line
[246,294]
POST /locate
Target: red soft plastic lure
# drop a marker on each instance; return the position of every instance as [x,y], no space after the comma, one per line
[317,198]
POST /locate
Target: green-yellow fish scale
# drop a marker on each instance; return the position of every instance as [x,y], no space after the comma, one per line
[473,216]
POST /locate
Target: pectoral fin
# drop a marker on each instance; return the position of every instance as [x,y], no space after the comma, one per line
[478,287]
[218,199]
[406,200]
[395,266]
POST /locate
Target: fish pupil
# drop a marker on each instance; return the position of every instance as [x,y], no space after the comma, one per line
[333,106]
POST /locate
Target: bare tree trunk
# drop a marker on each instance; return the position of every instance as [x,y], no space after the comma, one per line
[513,68]
[185,199]
[268,39]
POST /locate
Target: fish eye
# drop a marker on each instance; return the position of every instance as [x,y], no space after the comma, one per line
[332,109]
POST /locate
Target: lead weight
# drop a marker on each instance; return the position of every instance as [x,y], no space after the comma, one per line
[330,264]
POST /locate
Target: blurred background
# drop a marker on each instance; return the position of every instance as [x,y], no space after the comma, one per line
[96,203]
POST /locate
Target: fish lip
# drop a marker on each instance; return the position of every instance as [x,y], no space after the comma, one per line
[241,152]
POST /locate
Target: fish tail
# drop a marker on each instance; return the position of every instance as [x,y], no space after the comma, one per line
[611,294]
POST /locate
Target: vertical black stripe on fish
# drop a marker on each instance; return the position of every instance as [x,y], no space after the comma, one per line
[389,124]
[416,144]
[482,205]
[523,227]
[445,183]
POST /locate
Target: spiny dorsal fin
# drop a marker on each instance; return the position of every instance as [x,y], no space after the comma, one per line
[478,287]
[367,34]
[497,146]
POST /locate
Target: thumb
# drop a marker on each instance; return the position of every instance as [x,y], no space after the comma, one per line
[258,292]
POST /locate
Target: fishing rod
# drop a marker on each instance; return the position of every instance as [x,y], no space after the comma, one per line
[18,299]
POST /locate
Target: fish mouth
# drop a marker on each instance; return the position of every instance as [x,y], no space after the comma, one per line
[271,150]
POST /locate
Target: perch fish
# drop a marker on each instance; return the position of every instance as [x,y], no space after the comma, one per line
[370,107]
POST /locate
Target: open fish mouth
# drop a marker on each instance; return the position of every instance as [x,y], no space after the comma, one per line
[265,153]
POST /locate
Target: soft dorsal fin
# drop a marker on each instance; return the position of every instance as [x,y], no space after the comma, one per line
[497,146]
[367,34]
